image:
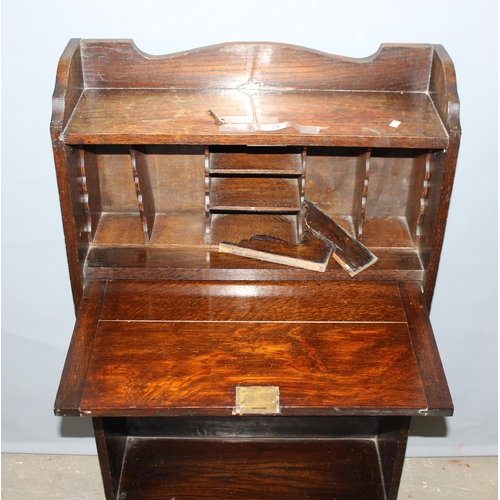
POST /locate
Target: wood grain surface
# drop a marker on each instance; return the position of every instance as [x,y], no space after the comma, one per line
[168,327]
[361,119]
[344,470]
[333,348]
[312,252]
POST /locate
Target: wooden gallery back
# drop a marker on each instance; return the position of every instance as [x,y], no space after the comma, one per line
[253,233]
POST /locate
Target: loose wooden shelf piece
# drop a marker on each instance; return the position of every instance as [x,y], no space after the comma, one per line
[313,253]
[307,162]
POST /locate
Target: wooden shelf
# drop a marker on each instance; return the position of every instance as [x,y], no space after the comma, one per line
[158,116]
[256,161]
[174,262]
[293,468]
[264,194]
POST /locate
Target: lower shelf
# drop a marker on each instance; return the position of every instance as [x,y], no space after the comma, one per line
[167,468]
[251,457]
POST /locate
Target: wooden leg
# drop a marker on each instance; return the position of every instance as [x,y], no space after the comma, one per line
[392,438]
[110,436]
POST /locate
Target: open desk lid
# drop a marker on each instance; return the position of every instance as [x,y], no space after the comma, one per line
[159,348]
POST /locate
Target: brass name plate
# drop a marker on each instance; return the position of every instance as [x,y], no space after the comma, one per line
[256,399]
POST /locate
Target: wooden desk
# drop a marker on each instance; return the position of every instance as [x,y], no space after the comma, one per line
[212,375]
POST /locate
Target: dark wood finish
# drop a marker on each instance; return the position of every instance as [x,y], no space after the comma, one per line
[144,191]
[118,116]
[168,326]
[361,185]
[219,301]
[255,161]
[111,441]
[263,194]
[347,251]
[80,350]
[256,426]
[392,435]
[238,227]
[426,351]
[68,90]
[195,263]
[344,469]
[318,368]
[382,81]
[318,353]
[312,253]
[208,67]
[92,188]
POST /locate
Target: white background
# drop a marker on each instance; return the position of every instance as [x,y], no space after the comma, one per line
[36,299]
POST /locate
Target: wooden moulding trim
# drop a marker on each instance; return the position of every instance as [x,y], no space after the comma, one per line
[426,352]
[75,368]
[120,64]
[69,87]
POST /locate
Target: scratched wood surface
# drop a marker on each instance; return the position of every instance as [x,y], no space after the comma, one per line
[142,116]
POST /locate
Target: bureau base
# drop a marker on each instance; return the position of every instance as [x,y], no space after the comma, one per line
[346,458]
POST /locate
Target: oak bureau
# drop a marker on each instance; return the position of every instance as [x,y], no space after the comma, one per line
[253,233]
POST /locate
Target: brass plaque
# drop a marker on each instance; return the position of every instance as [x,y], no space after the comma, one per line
[257,399]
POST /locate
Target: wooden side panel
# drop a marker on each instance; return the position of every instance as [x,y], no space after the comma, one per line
[392,437]
[443,89]
[431,194]
[68,89]
[73,377]
[111,441]
[266,64]
[77,222]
